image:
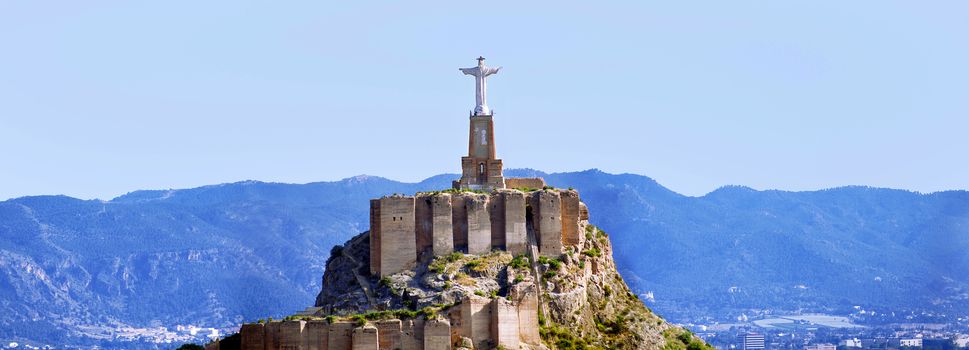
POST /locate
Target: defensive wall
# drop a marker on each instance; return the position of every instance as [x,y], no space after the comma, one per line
[408,229]
[484,322]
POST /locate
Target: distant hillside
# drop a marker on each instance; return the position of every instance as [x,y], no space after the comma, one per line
[737,248]
[218,255]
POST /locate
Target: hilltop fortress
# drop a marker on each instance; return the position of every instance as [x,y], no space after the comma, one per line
[407,229]
[490,263]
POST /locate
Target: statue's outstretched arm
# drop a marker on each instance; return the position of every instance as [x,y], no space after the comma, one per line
[490,70]
[469,71]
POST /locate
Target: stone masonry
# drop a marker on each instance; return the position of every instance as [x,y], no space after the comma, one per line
[392,229]
[480,169]
[525,182]
[516,240]
[441,231]
[548,224]
[407,229]
[487,323]
[504,324]
[437,334]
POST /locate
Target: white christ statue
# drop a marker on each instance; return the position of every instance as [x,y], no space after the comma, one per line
[480,74]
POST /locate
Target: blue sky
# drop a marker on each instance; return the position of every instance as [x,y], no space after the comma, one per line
[100,98]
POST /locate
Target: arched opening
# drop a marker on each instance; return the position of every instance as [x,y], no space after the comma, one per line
[482,173]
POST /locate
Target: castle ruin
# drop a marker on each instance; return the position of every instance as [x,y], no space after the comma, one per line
[482,212]
[407,229]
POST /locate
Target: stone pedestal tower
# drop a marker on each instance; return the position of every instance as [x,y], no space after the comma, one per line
[480,169]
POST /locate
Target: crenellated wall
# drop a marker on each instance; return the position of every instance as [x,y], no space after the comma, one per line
[486,322]
[407,229]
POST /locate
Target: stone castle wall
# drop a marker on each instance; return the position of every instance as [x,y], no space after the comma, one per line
[516,239]
[395,215]
[486,323]
[536,183]
[407,229]
[547,214]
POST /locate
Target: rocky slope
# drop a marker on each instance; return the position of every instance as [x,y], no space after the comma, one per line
[584,304]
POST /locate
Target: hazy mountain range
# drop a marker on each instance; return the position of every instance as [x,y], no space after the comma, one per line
[74,271]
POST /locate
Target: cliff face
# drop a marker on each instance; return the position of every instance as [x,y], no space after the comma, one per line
[580,300]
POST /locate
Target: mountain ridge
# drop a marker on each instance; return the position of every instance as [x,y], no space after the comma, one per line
[118,262]
[447,177]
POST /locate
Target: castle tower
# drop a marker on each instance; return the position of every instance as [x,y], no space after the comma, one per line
[480,169]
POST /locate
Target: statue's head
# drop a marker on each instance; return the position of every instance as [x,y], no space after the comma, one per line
[481,61]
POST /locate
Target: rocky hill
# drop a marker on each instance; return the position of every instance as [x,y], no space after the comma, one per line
[584,303]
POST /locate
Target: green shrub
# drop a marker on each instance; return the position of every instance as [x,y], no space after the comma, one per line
[593,253]
[405,314]
[440,263]
[600,233]
[519,262]
[680,339]
[553,263]
[614,326]
[685,337]
[428,312]
[564,338]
